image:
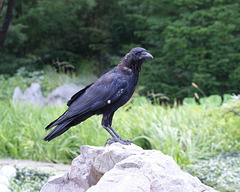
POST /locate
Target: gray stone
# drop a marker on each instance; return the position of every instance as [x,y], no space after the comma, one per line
[32,95]
[46,167]
[17,94]
[125,168]
[62,94]
[4,180]
[62,184]
[4,188]
[8,171]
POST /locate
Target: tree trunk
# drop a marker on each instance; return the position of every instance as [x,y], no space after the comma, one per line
[6,22]
[1,7]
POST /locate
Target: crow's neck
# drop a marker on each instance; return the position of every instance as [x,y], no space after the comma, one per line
[134,66]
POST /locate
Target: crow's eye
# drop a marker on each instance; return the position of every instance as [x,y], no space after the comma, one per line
[137,53]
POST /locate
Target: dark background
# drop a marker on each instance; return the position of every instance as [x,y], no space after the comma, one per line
[191,40]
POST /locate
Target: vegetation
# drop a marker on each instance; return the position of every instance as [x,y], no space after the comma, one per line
[190,133]
[48,78]
[28,180]
[222,171]
[187,133]
[192,41]
[196,46]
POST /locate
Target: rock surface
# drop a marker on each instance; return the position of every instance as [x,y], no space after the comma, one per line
[32,95]
[4,188]
[124,168]
[62,94]
[7,172]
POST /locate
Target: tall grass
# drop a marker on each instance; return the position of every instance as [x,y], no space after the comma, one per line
[187,133]
[22,132]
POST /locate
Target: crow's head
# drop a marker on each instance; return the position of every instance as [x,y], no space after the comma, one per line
[140,54]
[136,57]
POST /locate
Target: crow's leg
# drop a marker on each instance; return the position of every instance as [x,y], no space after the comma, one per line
[107,129]
[115,133]
[116,138]
[110,140]
[106,123]
[110,117]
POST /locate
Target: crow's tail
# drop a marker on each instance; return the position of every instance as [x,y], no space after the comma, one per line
[65,125]
[60,129]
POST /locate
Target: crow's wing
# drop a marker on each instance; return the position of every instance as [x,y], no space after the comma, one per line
[78,94]
[106,90]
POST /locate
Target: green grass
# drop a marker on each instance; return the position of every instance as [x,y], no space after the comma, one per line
[187,133]
[192,134]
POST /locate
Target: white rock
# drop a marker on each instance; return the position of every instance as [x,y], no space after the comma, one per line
[55,177]
[62,184]
[4,188]
[32,95]
[125,168]
[62,94]
[8,171]
[17,94]
[4,180]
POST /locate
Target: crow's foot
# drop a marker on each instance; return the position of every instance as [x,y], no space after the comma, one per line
[120,140]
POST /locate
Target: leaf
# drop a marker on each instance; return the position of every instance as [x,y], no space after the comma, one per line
[211,101]
[189,101]
[227,98]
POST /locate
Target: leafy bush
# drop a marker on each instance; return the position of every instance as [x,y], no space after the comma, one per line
[28,180]
[195,41]
[192,41]
[221,171]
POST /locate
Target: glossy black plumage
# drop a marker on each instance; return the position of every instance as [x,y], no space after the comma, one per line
[105,96]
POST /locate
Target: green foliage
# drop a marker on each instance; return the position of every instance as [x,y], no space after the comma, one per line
[189,101]
[198,42]
[211,101]
[192,41]
[221,171]
[227,98]
[28,180]
[187,133]
[16,38]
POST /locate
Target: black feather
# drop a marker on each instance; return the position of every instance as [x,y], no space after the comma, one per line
[105,96]
[76,95]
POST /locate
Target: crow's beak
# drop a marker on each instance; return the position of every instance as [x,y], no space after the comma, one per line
[146,55]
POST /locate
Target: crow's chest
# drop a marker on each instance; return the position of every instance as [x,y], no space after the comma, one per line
[124,98]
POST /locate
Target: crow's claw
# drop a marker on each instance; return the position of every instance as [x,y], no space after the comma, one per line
[120,140]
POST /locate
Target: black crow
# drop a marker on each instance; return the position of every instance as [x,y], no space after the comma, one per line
[104,96]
